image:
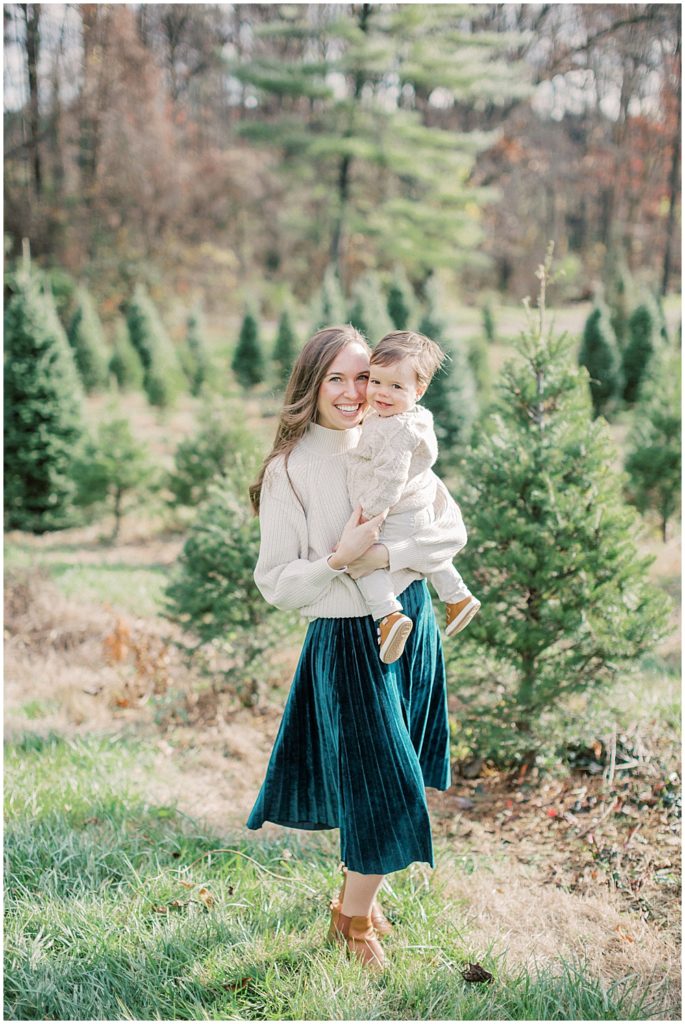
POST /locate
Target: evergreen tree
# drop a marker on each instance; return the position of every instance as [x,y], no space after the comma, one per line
[451,395]
[329,306]
[196,348]
[43,418]
[638,351]
[566,602]
[653,460]
[212,592]
[480,367]
[376,121]
[112,468]
[248,359]
[163,378]
[368,311]
[599,354]
[87,339]
[223,446]
[489,329]
[620,289]
[285,348]
[400,300]
[125,365]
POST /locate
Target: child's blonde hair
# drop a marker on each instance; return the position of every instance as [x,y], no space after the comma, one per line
[426,355]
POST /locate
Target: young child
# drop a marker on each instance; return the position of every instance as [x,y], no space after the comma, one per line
[391,469]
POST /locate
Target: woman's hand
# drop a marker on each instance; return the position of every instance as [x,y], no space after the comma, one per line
[376,557]
[356,538]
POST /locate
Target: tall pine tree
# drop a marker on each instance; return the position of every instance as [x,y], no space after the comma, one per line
[248,358]
[87,339]
[285,349]
[566,602]
[654,455]
[163,377]
[125,365]
[349,107]
[599,354]
[638,351]
[43,413]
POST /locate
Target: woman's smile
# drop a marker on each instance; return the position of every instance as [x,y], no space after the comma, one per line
[342,395]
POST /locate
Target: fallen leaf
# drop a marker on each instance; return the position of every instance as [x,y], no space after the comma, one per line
[474,972]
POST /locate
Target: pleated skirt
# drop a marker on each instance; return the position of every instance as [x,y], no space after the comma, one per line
[359,740]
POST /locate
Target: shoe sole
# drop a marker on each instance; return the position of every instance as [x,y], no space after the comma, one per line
[463,618]
[393,647]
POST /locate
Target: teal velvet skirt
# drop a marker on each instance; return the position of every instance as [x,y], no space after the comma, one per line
[359,741]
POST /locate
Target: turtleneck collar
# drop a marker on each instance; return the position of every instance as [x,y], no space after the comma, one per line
[330,442]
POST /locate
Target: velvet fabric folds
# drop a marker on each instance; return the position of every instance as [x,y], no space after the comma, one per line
[359,740]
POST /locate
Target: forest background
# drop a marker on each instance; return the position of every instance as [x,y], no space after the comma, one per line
[190,190]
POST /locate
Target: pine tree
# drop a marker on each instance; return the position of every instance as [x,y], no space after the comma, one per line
[368,311]
[451,395]
[248,359]
[489,329]
[566,602]
[112,468]
[125,365]
[284,349]
[653,460]
[599,354]
[87,339]
[43,419]
[374,123]
[401,301]
[638,350]
[197,365]
[163,378]
[329,305]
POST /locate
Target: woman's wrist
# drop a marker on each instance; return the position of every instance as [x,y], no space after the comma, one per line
[335,563]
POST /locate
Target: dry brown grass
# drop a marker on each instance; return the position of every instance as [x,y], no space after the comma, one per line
[507,908]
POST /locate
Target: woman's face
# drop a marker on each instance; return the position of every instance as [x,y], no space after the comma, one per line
[342,394]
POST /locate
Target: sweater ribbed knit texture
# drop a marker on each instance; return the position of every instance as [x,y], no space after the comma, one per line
[389,468]
[297,536]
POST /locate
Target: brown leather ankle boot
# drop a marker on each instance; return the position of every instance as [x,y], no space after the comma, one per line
[358,934]
[380,922]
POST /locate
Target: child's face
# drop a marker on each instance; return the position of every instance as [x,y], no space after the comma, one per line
[393,388]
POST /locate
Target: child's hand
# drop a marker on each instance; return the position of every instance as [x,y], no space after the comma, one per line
[357,536]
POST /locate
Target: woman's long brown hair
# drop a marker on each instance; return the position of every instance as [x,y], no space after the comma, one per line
[302,393]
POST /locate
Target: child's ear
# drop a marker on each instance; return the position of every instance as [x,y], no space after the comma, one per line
[420,392]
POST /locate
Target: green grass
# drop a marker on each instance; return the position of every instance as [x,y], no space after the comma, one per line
[90,863]
[137,589]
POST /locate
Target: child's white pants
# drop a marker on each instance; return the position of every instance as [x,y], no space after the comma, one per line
[377,588]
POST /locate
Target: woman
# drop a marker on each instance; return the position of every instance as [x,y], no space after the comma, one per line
[359,740]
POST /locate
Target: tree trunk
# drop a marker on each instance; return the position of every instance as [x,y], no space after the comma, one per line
[118,512]
[32,19]
[673,181]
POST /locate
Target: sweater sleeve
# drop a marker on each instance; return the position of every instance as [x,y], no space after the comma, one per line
[436,544]
[284,575]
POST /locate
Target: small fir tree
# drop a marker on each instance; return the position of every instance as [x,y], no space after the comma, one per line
[285,348]
[566,602]
[221,446]
[329,305]
[599,354]
[43,413]
[368,311]
[489,329]
[114,468]
[196,362]
[401,303]
[248,359]
[212,593]
[163,377]
[125,365]
[480,367]
[620,288]
[451,395]
[653,460]
[87,340]
[638,350]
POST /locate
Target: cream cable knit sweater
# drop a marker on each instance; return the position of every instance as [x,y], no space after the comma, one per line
[390,467]
[296,539]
